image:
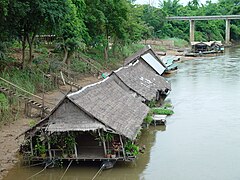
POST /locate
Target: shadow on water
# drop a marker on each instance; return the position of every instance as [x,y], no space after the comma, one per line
[86,170]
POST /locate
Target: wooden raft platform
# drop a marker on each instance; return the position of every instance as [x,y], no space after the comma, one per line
[159,119]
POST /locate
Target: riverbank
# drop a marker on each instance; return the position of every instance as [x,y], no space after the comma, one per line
[8,133]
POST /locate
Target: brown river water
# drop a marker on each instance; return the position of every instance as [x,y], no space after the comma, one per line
[201,141]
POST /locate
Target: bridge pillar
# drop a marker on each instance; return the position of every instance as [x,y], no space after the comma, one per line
[227,32]
[192,29]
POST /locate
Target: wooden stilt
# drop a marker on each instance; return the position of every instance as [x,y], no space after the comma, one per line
[121,141]
[49,150]
[29,110]
[31,145]
[104,143]
[75,149]
[25,109]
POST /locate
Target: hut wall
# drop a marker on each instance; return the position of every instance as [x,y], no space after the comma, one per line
[69,117]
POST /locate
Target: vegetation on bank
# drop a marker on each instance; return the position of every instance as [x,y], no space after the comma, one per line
[162,111]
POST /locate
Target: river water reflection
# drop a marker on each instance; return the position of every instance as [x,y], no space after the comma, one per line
[201,140]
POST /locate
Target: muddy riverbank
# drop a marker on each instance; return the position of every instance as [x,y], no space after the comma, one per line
[9,132]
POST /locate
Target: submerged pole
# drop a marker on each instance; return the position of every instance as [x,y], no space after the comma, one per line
[66,170]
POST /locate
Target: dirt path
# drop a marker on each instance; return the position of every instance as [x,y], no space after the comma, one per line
[8,133]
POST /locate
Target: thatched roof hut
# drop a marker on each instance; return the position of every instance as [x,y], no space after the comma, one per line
[103,105]
[111,105]
[147,56]
[82,121]
[142,80]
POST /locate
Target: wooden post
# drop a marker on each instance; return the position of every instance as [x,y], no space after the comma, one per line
[124,155]
[31,145]
[75,149]
[104,144]
[49,150]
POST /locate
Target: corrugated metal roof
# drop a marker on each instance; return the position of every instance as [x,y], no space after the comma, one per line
[154,63]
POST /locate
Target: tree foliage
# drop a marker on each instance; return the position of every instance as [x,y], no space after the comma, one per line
[106,24]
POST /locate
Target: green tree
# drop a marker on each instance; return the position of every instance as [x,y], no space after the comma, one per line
[72,29]
[28,18]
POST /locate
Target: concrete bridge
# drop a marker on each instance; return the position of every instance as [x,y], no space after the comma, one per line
[192,20]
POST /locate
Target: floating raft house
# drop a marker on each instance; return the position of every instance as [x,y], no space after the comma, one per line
[100,121]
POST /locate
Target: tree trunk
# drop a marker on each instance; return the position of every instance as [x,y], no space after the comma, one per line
[30,53]
[30,43]
[114,45]
[107,45]
[65,58]
[23,50]
[106,53]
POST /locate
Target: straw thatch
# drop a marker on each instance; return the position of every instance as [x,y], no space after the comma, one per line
[142,80]
[69,117]
[111,105]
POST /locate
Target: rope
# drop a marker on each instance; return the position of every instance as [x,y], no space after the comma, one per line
[98,171]
[39,171]
[32,165]
[66,169]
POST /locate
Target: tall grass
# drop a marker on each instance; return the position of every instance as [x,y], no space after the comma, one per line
[31,80]
[5,110]
[180,43]
[116,56]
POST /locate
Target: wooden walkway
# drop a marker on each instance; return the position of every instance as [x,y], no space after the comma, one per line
[28,102]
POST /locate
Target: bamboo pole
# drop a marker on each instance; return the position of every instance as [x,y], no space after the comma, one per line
[62,78]
[20,88]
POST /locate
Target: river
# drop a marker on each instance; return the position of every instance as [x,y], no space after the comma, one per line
[201,141]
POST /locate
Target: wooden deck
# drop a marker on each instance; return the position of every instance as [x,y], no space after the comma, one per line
[159,119]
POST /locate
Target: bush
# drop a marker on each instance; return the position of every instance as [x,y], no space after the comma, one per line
[152,103]
[167,105]
[163,111]
[131,148]
[148,119]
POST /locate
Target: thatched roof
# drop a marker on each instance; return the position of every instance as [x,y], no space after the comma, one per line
[66,116]
[69,117]
[142,80]
[150,57]
[113,106]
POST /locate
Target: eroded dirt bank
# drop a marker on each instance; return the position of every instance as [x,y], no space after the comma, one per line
[9,143]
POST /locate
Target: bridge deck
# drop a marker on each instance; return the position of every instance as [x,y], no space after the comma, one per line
[204,17]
